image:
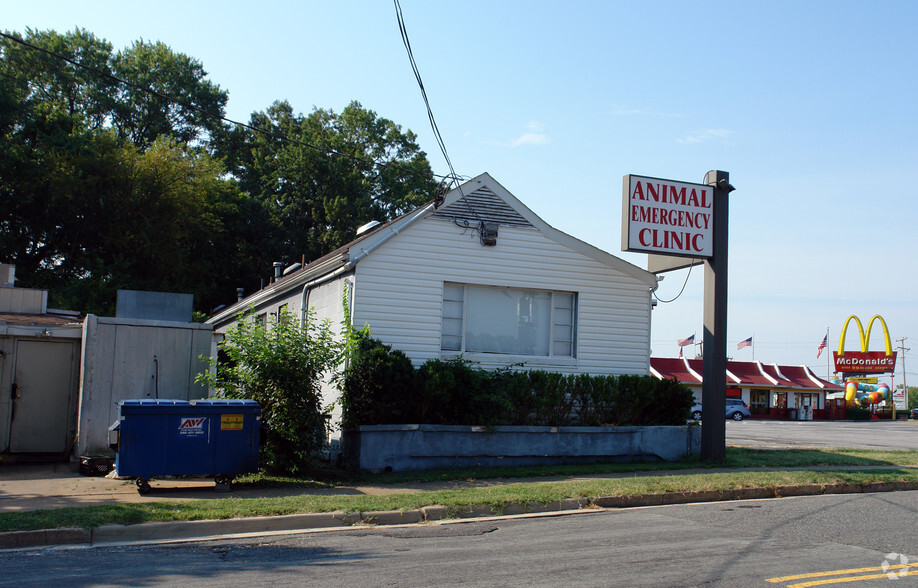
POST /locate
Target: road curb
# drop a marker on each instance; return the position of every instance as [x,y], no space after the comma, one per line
[44,537]
[107,535]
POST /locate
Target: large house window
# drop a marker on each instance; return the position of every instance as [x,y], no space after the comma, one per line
[485,319]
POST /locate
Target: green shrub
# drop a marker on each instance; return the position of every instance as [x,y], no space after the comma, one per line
[855,413]
[554,398]
[377,384]
[381,387]
[673,402]
[281,368]
[518,395]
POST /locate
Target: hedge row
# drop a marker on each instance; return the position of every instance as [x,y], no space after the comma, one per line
[382,387]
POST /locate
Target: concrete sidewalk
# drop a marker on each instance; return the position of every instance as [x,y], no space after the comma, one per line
[47,486]
[50,486]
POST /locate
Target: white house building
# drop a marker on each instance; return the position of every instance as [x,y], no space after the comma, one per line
[480,276]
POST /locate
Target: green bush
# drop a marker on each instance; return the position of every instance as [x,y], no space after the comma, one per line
[281,368]
[377,383]
[554,397]
[380,387]
[855,413]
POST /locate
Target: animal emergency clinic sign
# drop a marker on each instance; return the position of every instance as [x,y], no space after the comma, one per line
[667,217]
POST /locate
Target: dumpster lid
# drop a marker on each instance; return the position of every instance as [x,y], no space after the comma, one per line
[199,402]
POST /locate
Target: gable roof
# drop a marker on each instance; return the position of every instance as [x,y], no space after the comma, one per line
[494,203]
[481,199]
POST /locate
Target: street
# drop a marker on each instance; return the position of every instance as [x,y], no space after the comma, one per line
[778,542]
[880,435]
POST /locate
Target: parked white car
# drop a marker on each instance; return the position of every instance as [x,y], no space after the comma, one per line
[736,410]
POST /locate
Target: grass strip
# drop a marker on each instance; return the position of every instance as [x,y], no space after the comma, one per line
[736,457]
[494,496]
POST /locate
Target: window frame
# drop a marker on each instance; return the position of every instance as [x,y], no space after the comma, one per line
[556,328]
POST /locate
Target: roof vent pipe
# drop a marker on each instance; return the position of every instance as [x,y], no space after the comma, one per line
[278,270]
[240,294]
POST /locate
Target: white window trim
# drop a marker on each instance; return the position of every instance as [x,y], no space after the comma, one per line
[480,356]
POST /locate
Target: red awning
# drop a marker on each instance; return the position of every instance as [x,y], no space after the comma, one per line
[748,373]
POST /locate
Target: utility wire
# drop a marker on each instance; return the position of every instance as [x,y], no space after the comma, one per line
[684,284]
[454,177]
[451,177]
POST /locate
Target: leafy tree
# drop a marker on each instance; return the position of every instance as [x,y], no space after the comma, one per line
[43,85]
[281,367]
[103,216]
[912,396]
[93,99]
[101,190]
[143,117]
[105,186]
[338,172]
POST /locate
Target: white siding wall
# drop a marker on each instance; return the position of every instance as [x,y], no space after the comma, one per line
[327,301]
[398,292]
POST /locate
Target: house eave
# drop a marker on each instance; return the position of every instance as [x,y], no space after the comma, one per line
[294,281]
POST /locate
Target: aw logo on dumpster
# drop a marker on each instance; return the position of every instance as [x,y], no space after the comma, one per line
[192,426]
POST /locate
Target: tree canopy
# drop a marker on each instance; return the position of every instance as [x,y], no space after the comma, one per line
[338,172]
[124,174]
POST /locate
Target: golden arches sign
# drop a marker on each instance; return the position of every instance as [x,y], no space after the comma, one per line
[864,361]
[865,337]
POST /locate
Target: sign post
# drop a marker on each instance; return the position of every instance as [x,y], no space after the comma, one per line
[714,370]
[679,224]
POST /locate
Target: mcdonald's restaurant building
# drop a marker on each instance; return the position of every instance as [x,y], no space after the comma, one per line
[770,391]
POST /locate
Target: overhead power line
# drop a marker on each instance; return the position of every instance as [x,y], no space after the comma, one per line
[454,177]
[451,177]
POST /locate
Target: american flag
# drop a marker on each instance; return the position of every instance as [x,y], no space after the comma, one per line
[744,343]
[822,346]
[686,341]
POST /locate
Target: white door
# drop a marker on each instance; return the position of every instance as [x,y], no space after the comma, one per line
[43,386]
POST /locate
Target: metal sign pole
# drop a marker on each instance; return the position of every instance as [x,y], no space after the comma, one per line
[714,371]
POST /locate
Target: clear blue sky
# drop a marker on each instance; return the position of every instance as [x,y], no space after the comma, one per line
[811,107]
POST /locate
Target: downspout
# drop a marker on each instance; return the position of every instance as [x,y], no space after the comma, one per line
[304,295]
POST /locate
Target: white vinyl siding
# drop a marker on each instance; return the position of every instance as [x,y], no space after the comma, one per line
[485,319]
[399,293]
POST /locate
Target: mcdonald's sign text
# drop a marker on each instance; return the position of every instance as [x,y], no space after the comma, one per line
[869,362]
[864,361]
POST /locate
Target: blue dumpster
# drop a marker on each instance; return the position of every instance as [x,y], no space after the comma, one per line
[157,437]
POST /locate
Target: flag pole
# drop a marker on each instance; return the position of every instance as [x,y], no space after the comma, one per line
[828,364]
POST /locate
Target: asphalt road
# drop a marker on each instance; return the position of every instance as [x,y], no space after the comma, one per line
[834,434]
[748,543]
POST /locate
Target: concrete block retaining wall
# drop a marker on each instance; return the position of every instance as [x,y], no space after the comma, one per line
[416,447]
